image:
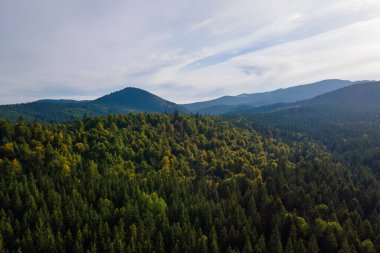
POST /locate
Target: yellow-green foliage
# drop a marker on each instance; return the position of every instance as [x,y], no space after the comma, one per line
[184,183]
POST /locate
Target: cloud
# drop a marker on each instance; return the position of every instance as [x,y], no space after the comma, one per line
[199,25]
[203,49]
[251,70]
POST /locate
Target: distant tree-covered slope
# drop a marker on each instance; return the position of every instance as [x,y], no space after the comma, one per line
[138,100]
[359,97]
[48,112]
[178,183]
[346,120]
[124,101]
[292,94]
[61,101]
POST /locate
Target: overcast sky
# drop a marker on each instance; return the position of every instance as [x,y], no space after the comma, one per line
[181,50]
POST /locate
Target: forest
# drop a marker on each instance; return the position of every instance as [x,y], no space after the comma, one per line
[180,183]
[353,136]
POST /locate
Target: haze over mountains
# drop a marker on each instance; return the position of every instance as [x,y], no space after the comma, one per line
[358,97]
[287,95]
[137,100]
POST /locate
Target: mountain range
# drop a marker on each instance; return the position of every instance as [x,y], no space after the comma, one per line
[137,100]
[297,93]
[360,97]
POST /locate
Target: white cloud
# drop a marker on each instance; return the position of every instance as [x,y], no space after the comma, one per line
[91,49]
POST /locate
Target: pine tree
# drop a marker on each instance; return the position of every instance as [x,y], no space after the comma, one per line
[1,244]
[132,245]
[214,248]
[202,244]
[345,247]
[78,244]
[247,245]
[275,245]
[377,243]
[289,247]
[312,246]
[330,244]
[160,245]
[260,247]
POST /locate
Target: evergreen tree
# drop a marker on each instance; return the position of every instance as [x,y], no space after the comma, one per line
[330,243]
[275,242]
[312,245]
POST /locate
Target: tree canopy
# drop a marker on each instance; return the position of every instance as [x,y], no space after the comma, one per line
[179,183]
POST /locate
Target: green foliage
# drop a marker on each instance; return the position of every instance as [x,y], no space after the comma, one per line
[159,183]
[367,246]
[346,121]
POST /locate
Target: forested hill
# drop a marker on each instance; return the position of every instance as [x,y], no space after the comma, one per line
[138,100]
[357,99]
[178,183]
[288,95]
[123,101]
[362,97]
[347,121]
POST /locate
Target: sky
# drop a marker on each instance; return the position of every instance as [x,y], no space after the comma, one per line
[183,51]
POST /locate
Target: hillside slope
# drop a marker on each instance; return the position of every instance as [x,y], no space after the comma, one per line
[135,99]
[287,95]
[185,183]
[123,101]
[347,121]
[361,97]
[356,98]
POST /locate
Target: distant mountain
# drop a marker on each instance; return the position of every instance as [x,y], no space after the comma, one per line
[137,100]
[288,95]
[123,101]
[60,101]
[357,98]
[134,99]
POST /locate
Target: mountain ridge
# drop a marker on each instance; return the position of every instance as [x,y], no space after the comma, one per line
[135,99]
[132,99]
[282,95]
[361,96]
[127,100]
